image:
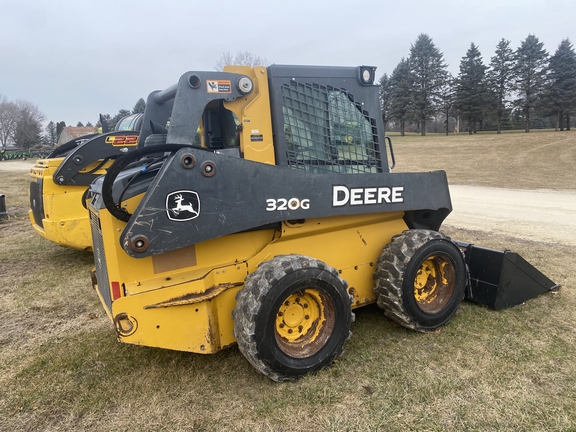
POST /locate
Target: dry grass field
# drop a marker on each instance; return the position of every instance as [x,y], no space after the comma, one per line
[62,369]
[535,160]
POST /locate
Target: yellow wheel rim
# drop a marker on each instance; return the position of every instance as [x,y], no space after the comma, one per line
[434,283]
[304,322]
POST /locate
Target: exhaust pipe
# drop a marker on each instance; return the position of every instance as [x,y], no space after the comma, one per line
[502,279]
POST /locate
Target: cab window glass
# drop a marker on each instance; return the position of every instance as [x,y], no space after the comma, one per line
[326,131]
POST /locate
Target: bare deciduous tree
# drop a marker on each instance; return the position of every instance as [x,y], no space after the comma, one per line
[28,125]
[8,121]
[242,58]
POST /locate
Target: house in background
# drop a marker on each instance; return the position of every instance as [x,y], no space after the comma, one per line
[69,133]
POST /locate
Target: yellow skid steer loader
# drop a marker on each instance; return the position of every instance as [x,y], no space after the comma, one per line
[267,211]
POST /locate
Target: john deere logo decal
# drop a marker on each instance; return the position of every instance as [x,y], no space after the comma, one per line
[182,205]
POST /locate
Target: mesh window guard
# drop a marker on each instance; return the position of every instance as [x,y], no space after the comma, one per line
[326,131]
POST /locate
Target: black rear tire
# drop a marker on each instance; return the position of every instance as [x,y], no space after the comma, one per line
[292,317]
[420,279]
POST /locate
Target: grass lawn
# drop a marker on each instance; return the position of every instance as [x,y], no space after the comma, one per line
[62,369]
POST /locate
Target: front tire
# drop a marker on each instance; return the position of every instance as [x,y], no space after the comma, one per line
[420,279]
[292,317]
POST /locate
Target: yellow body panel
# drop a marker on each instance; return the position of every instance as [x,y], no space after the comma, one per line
[254,112]
[190,308]
[350,244]
[65,220]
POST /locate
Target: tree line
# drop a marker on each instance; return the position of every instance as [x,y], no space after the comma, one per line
[523,88]
[21,124]
[518,88]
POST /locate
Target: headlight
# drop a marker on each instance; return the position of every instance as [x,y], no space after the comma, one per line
[367,74]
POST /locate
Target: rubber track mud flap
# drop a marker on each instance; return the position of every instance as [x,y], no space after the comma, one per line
[249,306]
[391,269]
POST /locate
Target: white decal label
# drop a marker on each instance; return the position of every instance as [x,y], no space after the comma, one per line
[218,86]
[283,204]
[182,205]
[342,195]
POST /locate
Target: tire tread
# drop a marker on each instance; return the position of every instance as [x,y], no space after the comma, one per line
[389,274]
[249,302]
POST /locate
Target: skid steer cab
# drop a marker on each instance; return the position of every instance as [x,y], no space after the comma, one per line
[59,183]
[263,215]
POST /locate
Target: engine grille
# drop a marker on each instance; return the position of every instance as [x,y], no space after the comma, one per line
[100,260]
[36,201]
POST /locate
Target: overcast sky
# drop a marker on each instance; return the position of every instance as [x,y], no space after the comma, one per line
[76,59]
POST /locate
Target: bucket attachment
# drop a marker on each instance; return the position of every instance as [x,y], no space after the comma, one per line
[502,279]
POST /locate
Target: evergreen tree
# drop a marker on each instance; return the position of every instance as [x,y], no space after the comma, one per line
[139,107]
[470,97]
[384,93]
[499,75]
[561,88]
[400,87]
[121,114]
[447,100]
[51,135]
[79,124]
[429,74]
[59,128]
[529,76]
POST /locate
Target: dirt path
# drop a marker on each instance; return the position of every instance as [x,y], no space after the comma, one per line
[542,215]
[17,165]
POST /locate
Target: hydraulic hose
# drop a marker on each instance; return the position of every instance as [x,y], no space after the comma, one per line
[122,162]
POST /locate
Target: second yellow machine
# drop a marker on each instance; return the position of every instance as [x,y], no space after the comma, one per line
[59,183]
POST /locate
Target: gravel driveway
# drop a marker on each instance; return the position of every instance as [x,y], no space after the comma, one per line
[541,215]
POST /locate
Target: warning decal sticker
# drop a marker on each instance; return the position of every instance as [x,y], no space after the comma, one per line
[218,86]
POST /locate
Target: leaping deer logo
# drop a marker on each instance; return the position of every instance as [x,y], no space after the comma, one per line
[182,205]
